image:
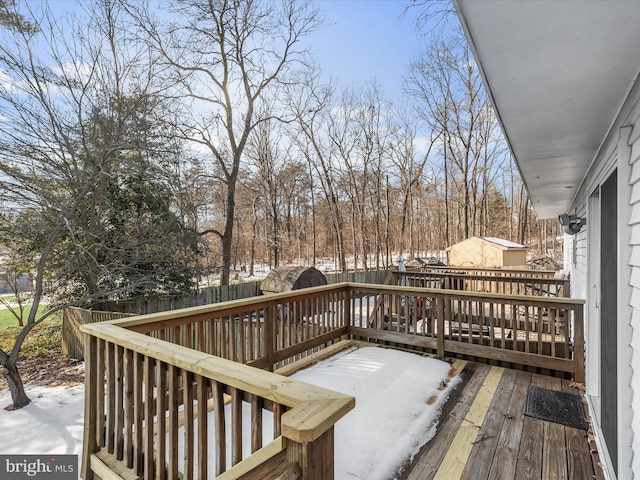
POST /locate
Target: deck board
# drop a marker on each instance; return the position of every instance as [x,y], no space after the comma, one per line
[487,442]
[506,456]
[432,454]
[458,453]
[508,444]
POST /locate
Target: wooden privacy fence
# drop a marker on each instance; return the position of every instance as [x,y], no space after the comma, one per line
[72,318]
[208,295]
[166,390]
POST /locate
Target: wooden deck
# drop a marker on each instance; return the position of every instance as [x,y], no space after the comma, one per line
[137,370]
[484,434]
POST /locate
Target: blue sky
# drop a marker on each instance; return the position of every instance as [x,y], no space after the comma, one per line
[360,40]
[363,39]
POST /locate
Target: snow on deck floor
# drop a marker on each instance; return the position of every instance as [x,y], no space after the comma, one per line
[398,401]
[399,396]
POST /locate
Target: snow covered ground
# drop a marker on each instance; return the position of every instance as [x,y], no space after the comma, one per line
[398,399]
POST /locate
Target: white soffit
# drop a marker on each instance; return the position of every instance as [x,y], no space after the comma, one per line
[558,73]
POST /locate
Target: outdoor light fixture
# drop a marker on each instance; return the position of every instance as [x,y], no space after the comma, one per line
[571,223]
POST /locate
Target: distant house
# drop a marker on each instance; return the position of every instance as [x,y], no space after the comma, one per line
[486,252]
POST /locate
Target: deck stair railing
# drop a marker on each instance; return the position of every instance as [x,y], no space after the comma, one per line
[177,394]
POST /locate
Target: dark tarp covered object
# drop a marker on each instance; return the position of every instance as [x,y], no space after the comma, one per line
[286,278]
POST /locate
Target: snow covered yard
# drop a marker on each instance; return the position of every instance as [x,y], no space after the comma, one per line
[398,399]
[50,424]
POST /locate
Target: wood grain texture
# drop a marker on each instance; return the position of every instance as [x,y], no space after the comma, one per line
[458,453]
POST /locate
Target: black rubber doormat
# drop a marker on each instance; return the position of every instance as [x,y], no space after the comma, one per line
[558,407]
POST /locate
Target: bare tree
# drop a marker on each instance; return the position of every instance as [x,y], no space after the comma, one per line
[446,81]
[77,109]
[266,159]
[311,105]
[227,57]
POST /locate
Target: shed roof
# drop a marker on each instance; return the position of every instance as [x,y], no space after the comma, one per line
[499,242]
[504,243]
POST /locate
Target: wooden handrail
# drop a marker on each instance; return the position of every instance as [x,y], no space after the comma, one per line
[310,415]
[268,385]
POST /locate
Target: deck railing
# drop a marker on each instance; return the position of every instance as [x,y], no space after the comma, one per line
[489,271]
[160,410]
[534,331]
[164,390]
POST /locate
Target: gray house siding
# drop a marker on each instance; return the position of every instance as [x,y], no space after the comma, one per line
[619,154]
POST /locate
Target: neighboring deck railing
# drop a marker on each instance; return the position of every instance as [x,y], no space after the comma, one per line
[489,271]
[535,331]
[160,369]
[512,282]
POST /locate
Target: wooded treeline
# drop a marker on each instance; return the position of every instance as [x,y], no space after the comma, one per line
[143,145]
[146,143]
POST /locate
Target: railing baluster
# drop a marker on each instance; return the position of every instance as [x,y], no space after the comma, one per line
[223,337]
[256,423]
[100,373]
[138,411]
[128,400]
[187,401]
[173,387]
[527,324]
[93,377]
[233,339]
[111,398]
[159,453]
[236,426]
[278,410]
[119,405]
[202,394]
[146,447]
[220,428]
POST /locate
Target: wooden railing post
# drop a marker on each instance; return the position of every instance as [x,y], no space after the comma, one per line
[270,332]
[578,343]
[308,429]
[315,459]
[346,307]
[90,442]
[440,327]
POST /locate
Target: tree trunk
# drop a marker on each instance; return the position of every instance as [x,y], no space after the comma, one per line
[16,387]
